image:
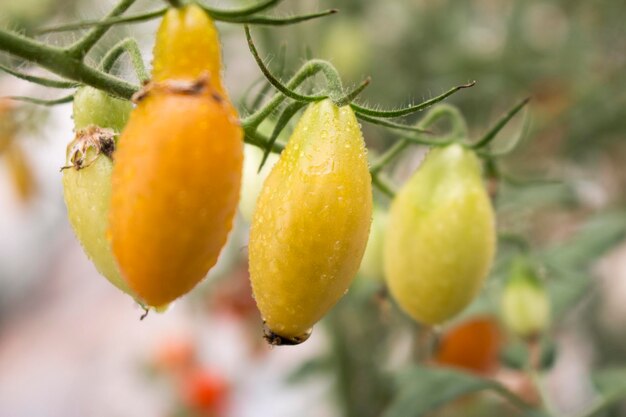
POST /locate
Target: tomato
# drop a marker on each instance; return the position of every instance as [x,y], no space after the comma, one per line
[87,178]
[252,182]
[440,239]
[473,345]
[372,263]
[187,46]
[176,180]
[204,390]
[525,305]
[311,222]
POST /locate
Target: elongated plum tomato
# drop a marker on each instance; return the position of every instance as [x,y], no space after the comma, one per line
[98,117]
[311,222]
[178,168]
[440,239]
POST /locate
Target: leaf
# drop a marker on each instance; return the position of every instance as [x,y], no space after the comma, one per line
[423,389]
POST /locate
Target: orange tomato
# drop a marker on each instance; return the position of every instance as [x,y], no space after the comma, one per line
[473,345]
[175,189]
[177,173]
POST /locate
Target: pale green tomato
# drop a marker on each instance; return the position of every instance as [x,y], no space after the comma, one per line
[87,176]
[252,182]
[372,263]
[525,304]
[440,240]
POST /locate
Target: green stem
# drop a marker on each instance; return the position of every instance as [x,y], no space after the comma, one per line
[119,20]
[128,45]
[409,109]
[491,134]
[61,63]
[84,45]
[255,8]
[383,185]
[272,79]
[284,118]
[46,82]
[41,102]
[277,21]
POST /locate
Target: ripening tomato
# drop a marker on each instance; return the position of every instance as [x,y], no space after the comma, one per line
[98,118]
[440,239]
[473,345]
[176,180]
[311,222]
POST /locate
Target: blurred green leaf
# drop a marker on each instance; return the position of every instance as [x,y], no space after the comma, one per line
[423,389]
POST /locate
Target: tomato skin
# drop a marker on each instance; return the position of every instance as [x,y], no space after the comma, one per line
[175,190]
[311,221]
[87,188]
[187,46]
[440,240]
[473,345]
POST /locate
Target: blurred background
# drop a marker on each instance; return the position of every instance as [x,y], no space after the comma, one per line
[73,345]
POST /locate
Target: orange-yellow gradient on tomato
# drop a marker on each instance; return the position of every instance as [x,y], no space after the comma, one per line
[177,173]
[311,221]
[440,239]
[187,46]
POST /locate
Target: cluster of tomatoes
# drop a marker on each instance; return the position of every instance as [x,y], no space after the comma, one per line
[152,191]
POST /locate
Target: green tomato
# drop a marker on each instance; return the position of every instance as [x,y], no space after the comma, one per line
[87,176]
[440,241]
[372,263]
[525,304]
[252,181]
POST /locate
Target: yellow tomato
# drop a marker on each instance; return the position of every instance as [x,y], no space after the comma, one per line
[311,223]
[440,239]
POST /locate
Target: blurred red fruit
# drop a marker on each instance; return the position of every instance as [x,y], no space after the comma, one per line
[204,391]
[473,345]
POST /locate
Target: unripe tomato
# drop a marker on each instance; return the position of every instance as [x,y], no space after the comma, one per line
[252,182]
[87,177]
[440,240]
[187,46]
[525,304]
[473,345]
[372,262]
[311,222]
